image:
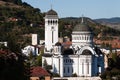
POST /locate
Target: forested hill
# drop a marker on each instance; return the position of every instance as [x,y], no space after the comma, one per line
[94,24]
[13,1]
[18,20]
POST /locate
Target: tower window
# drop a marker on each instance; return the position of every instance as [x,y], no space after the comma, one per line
[52,28]
[48,22]
[51,21]
[56,21]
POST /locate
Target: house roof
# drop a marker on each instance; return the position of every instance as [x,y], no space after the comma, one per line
[38,72]
[2,52]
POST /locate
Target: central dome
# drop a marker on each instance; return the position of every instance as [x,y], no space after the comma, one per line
[82,27]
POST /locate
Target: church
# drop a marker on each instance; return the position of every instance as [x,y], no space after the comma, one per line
[82,58]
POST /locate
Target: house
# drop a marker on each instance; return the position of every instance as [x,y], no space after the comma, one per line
[39,73]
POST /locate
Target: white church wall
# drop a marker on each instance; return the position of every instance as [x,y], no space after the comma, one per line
[51,33]
[49,60]
[56,64]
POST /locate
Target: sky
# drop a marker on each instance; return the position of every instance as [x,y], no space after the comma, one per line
[76,8]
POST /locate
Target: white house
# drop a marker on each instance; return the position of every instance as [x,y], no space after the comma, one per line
[4,43]
[30,49]
[82,58]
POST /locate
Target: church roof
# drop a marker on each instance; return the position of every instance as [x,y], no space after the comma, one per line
[51,14]
[82,27]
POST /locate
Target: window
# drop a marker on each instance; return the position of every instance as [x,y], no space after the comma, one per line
[64,60]
[87,38]
[48,22]
[82,68]
[68,70]
[51,21]
[72,69]
[64,69]
[87,68]
[56,21]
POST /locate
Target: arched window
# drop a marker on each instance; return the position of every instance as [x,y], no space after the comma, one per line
[87,68]
[51,21]
[64,69]
[82,68]
[56,22]
[82,37]
[86,52]
[48,22]
[87,37]
[72,69]
[68,70]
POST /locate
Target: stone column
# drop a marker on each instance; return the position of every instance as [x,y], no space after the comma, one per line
[61,66]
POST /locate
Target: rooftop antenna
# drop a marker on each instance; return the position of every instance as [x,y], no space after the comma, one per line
[82,19]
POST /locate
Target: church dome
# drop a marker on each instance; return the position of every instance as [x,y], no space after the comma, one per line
[51,12]
[82,27]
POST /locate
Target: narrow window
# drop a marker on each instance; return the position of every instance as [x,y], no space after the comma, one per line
[56,22]
[87,68]
[51,21]
[64,69]
[82,68]
[68,70]
[72,69]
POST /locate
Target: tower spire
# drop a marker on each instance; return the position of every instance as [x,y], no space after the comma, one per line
[82,20]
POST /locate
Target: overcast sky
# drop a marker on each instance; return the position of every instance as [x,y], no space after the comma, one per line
[76,8]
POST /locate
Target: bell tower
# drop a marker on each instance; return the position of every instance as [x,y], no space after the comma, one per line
[51,29]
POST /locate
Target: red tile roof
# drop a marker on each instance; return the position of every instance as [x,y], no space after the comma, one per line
[38,72]
[68,43]
[2,52]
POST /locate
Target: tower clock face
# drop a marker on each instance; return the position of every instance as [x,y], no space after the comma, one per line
[52,28]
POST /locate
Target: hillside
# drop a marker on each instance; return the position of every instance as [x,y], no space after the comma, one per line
[110,22]
[94,24]
[18,21]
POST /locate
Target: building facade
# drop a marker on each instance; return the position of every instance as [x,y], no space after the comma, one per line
[81,58]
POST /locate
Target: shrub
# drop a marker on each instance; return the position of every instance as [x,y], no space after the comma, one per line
[74,75]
